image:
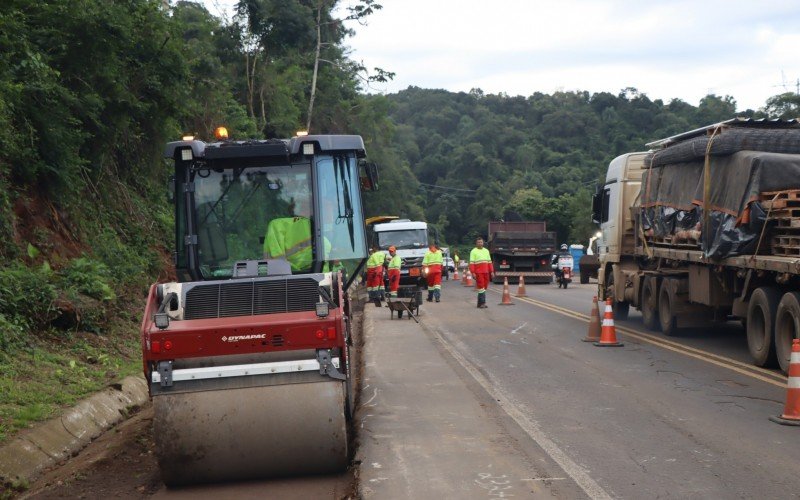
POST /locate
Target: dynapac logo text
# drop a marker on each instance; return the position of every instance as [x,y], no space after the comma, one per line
[236,338]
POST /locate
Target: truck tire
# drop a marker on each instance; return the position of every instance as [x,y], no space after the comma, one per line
[620,309]
[787,327]
[761,314]
[666,309]
[584,277]
[650,303]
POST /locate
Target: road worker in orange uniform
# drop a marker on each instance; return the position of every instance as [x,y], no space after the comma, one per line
[480,265]
[433,262]
[395,263]
[375,274]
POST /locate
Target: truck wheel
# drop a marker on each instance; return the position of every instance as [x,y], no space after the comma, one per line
[620,309]
[584,277]
[760,325]
[650,303]
[666,309]
[787,327]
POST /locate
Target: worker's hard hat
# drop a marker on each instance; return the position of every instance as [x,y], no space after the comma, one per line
[392,248]
[564,246]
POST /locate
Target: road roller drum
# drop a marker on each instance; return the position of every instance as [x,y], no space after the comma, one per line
[251,432]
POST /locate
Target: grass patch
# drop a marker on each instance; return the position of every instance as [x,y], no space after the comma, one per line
[56,371]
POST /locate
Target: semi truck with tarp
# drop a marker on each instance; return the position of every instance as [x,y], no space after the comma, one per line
[247,353]
[521,249]
[705,227]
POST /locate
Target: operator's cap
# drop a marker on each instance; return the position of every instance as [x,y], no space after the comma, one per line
[392,248]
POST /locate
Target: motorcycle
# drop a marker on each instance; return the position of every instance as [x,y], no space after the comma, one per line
[563,270]
[565,278]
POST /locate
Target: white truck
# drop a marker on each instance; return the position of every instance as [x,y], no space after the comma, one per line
[410,238]
[706,227]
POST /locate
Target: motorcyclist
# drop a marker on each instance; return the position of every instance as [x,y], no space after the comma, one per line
[556,262]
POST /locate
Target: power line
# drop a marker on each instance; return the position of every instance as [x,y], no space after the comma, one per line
[430,191]
[434,186]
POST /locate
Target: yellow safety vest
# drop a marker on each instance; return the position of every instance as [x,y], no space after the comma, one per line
[376,259]
[433,258]
[396,262]
[290,238]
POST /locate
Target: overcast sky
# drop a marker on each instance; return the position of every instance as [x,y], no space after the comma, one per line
[666,49]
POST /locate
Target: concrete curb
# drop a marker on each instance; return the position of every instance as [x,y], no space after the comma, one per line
[32,451]
[367,327]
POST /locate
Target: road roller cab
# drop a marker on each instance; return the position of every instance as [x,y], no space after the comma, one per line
[246,354]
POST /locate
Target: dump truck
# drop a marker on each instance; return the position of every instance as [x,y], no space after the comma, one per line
[704,227]
[521,248]
[247,354]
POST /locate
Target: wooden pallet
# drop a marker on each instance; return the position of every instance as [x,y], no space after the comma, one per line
[788,223]
[786,240]
[786,251]
[778,204]
[793,194]
[785,213]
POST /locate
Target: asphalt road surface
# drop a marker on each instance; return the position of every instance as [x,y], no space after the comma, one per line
[677,417]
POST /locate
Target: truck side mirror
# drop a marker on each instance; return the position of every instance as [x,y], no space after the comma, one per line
[369,181]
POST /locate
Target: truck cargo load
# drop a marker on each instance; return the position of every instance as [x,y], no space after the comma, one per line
[673,200]
[705,227]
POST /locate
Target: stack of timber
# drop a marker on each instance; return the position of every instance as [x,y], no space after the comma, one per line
[784,208]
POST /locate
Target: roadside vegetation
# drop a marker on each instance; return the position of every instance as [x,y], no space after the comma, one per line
[91,90]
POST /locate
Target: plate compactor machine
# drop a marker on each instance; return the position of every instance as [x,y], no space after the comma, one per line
[247,354]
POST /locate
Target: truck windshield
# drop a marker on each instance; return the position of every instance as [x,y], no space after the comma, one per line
[252,213]
[407,238]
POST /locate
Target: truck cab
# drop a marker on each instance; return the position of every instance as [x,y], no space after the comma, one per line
[621,190]
[411,239]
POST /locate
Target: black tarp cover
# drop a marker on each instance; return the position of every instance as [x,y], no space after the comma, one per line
[672,198]
[730,140]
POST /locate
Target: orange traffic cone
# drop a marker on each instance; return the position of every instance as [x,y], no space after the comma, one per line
[608,334]
[593,335]
[469,281]
[521,288]
[455,274]
[791,412]
[464,277]
[506,294]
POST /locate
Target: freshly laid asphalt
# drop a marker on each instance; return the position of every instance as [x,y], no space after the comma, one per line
[427,430]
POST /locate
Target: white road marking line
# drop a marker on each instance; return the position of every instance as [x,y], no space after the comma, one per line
[530,426]
[374,395]
[515,330]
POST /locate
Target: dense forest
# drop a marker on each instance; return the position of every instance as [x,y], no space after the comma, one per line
[90,90]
